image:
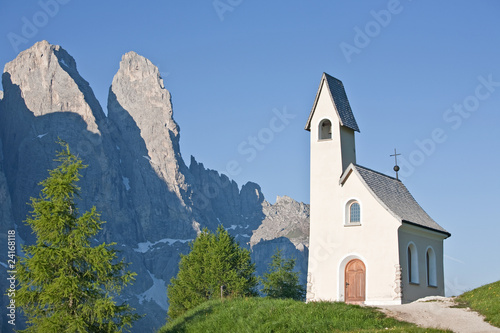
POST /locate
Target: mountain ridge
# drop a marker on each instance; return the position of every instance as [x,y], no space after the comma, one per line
[152,201]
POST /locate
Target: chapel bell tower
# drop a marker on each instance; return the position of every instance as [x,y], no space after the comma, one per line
[332,126]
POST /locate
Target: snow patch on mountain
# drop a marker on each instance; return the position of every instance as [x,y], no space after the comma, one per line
[126,182]
[146,246]
[157,293]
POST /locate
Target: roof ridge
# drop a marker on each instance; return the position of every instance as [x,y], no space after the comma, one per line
[340,101]
[377,172]
[333,77]
[396,197]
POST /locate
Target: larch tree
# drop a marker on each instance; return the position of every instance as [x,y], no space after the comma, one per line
[281,281]
[216,267]
[66,284]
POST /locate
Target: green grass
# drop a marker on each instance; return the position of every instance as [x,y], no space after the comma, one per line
[485,300]
[274,315]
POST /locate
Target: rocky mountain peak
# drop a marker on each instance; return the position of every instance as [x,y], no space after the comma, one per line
[138,75]
[139,105]
[286,218]
[284,200]
[140,68]
[46,77]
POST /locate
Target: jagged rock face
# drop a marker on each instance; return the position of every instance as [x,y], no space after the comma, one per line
[218,199]
[286,218]
[45,98]
[138,88]
[147,141]
[285,227]
[153,204]
[47,77]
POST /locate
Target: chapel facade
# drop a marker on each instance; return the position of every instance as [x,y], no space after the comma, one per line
[370,242]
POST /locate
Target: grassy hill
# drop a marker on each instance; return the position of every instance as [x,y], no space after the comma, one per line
[274,315]
[485,300]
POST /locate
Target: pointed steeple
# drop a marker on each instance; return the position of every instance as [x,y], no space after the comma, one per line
[339,98]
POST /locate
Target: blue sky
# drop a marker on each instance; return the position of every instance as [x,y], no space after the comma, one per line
[421,76]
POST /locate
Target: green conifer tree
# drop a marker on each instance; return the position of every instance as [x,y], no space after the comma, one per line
[281,281]
[215,267]
[65,284]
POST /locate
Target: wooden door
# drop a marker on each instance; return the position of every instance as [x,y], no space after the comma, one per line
[355,281]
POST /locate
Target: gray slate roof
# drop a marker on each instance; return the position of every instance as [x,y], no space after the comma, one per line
[396,197]
[341,102]
[339,96]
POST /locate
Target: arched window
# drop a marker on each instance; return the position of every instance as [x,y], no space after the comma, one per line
[354,213]
[412,263]
[430,262]
[325,129]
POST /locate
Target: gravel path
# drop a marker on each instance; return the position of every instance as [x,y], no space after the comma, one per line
[436,312]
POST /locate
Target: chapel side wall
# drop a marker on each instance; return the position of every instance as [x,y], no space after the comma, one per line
[422,240]
[375,242]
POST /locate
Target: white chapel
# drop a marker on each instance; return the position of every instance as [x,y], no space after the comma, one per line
[370,241]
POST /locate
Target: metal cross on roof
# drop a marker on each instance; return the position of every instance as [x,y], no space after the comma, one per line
[396,167]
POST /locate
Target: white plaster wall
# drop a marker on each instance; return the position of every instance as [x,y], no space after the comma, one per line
[422,239]
[326,169]
[375,240]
